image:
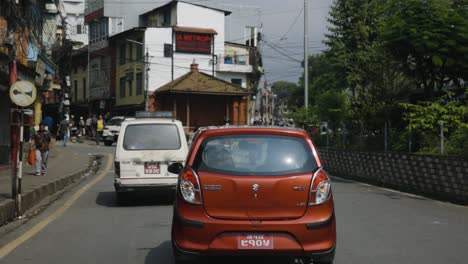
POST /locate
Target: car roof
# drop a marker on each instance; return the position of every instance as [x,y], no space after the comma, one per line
[220,130]
[151,121]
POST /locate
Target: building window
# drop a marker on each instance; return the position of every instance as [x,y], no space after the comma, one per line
[130,52]
[75,83]
[130,84]
[236,81]
[84,88]
[122,54]
[139,50]
[78,29]
[123,81]
[139,83]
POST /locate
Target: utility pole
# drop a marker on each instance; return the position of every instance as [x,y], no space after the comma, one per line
[306,54]
[10,42]
[146,79]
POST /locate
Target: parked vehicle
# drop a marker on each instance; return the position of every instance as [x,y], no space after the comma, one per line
[146,148]
[111,131]
[253,191]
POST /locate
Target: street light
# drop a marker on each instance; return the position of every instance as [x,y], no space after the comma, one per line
[146,69]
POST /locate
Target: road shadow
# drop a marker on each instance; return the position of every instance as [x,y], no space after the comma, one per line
[160,254]
[163,254]
[108,199]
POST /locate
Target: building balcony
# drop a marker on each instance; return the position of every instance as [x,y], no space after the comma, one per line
[99,93]
[98,43]
[233,64]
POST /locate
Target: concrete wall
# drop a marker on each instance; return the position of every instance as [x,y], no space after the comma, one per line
[439,177]
[228,76]
[201,17]
[160,68]
[129,11]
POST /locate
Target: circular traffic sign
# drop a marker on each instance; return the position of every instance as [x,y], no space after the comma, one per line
[23,93]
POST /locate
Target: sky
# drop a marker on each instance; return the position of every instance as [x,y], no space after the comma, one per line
[282,23]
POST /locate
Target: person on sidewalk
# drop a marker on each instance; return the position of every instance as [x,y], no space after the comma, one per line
[94,124]
[82,126]
[89,130]
[41,141]
[64,130]
[99,128]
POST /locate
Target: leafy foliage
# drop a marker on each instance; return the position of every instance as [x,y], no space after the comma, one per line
[387,73]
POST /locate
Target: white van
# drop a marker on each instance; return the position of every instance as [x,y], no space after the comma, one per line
[145,148]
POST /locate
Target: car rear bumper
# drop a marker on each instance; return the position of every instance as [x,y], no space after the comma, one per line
[313,235]
[119,187]
[325,256]
[111,137]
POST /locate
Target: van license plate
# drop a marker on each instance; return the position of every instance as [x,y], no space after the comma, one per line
[152,168]
[255,241]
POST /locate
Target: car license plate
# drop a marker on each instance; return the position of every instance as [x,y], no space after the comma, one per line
[152,168]
[255,241]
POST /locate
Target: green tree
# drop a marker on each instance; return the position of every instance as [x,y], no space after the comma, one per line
[353,31]
[429,39]
[284,90]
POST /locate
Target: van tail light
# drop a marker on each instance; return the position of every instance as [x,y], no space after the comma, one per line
[319,188]
[117,169]
[189,186]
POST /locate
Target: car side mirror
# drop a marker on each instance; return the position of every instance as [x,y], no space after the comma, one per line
[175,168]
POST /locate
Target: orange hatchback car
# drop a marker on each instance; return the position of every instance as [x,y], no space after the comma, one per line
[253,191]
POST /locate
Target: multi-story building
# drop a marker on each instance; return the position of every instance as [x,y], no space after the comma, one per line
[77,30]
[79,83]
[174,36]
[105,19]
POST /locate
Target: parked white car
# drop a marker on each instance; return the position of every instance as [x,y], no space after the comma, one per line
[111,131]
[145,149]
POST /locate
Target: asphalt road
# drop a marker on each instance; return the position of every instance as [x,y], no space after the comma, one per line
[374,226]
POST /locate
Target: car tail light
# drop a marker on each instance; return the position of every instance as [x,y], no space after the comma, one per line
[319,188]
[189,186]
[117,169]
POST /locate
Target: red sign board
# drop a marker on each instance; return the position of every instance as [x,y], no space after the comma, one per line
[193,42]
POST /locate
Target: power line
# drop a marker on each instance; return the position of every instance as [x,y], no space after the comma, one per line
[281,52]
[292,25]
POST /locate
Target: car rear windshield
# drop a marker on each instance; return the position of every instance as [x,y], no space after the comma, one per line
[115,122]
[259,155]
[151,137]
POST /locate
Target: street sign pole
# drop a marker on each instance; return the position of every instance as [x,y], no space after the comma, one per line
[19,176]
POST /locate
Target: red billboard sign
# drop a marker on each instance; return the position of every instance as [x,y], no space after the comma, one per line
[193,42]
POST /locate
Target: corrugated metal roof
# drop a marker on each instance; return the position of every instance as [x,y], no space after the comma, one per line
[201,83]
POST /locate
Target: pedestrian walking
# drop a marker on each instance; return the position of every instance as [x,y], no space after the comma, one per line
[94,125]
[64,130]
[82,126]
[49,123]
[99,129]
[89,130]
[40,142]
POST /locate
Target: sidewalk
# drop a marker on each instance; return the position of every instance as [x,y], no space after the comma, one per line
[65,165]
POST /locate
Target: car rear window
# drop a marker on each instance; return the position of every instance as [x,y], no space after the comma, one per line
[260,155]
[115,122]
[151,137]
